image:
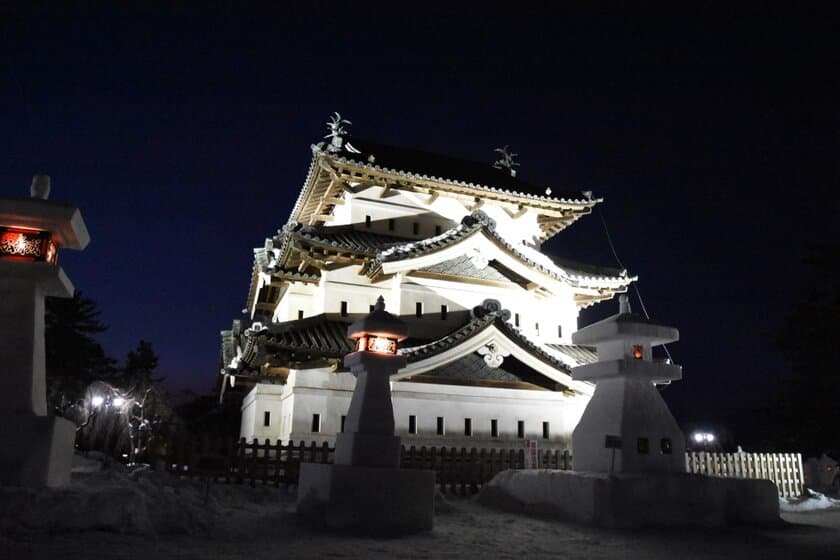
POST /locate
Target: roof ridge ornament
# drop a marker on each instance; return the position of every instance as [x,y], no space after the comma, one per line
[479,217]
[489,306]
[336,132]
[506,161]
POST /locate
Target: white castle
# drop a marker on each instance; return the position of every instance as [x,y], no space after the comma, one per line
[454,247]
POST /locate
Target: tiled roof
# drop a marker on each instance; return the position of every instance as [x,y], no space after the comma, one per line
[580,354]
[347,238]
[475,222]
[463,266]
[473,367]
[315,334]
[430,166]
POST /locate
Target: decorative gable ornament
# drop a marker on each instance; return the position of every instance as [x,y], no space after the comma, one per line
[336,133]
[493,354]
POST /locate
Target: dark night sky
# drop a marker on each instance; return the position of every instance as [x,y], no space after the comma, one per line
[184,137]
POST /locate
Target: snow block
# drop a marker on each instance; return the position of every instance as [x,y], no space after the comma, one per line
[37,450]
[369,499]
[634,500]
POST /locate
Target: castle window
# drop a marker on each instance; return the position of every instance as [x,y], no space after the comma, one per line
[520,429]
[343,420]
[418,309]
[412,424]
[638,353]
[494,428]
[467,426]
[440,426]
[367,221]
[438,230]
[415,228]
[516,319]
[370,308]
[344,309]
[300,313]
[642,446]
[266,418]
[391,224]
[316,423]
[443,312]
[559,331]
[546,430]
[665,446]
[537,328]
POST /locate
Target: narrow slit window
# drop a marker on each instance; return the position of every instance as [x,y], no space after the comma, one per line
[441,429]
[300,313]
[494,428]
[343,420]
[520,429]
[537,328]
[391,224]
[642,446]
[467,426]
[418,309]
[444,311]
[516,319]
[438,230]
[316,423]
[412,424]
[266,418]
[415,228]
[368,221]
[665,446]
[559,331]
[546,430]
[344,309]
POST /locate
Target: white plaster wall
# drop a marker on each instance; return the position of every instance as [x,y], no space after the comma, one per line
[328,394]
[261,399]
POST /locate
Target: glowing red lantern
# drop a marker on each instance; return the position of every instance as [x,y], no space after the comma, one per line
[27,245]
[638,353]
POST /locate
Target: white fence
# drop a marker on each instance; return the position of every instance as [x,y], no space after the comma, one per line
[784,469]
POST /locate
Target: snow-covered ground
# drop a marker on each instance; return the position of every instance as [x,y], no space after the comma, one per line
[111,514]
[814,501]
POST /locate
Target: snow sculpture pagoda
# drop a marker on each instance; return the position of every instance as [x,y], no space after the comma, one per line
[454,248]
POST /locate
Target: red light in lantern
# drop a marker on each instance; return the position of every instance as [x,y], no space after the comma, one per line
[26,245]
[379,344]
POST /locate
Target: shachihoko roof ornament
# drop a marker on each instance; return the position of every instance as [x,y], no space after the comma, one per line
[336,132]
[506,161]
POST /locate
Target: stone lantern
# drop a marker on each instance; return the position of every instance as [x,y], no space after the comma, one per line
[365,489]
[37,447]
[627,426]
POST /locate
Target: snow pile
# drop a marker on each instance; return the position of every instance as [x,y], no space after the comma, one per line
[139,502]
[814,501]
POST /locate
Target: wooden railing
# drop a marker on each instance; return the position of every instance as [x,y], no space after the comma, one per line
[459,470]
[784,469]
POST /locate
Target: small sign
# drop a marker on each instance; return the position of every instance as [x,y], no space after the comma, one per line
[612,442]
[532,457]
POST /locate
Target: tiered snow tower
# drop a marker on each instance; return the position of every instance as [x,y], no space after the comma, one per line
[627,426]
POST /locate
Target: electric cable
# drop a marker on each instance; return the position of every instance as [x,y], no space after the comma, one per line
[635,284]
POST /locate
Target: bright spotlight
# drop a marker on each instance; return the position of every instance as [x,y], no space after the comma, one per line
[118,401]
[710,437]
[698,437]
[97,401]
